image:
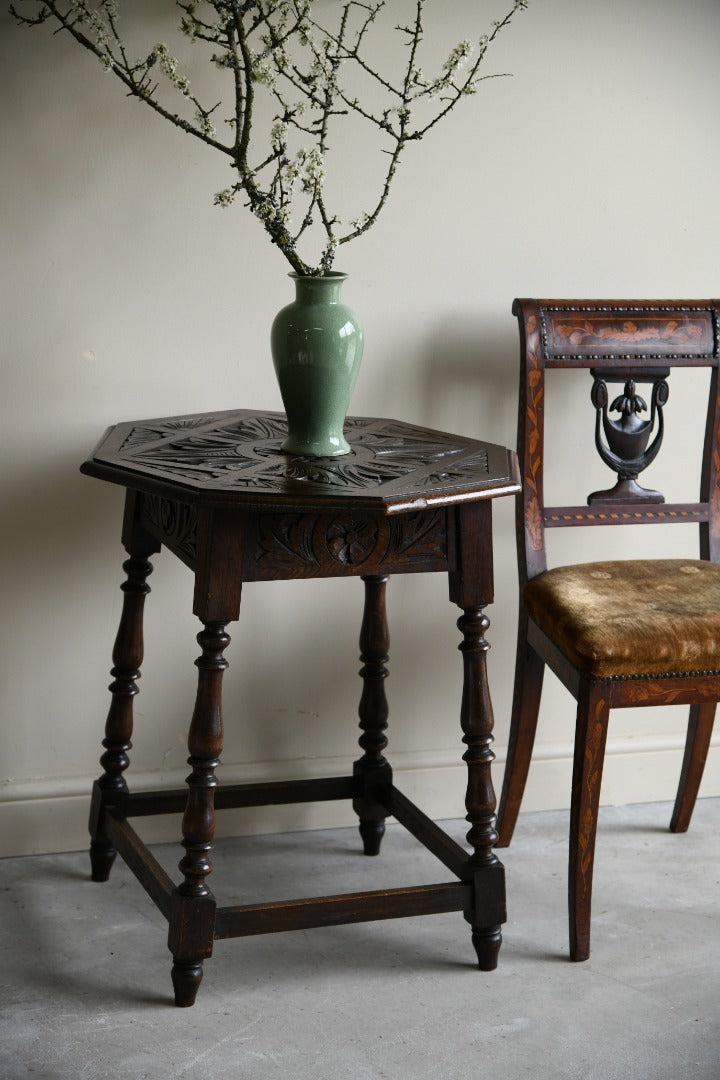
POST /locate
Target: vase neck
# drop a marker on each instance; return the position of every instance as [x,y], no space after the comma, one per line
[319,290]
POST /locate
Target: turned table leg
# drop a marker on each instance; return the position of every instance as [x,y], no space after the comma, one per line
[372,768]
[471,588]
[111,788]
[476,718]
[192,917]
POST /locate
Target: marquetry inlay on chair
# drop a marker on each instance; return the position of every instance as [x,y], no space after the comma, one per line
[616,633]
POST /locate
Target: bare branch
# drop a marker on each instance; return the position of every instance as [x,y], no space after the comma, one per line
[306,69]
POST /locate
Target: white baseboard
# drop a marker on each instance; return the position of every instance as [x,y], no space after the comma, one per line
[47,815]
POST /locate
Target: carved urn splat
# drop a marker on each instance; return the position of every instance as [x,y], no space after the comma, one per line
[626,448]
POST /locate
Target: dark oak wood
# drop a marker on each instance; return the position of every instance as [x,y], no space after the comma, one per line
[628,342]
[232,796]
[471,588]
[219,494]
[476,719]
[233,458]
[430,835]
[142,862]
[372,769]
[205,745]
[198,824]
[111,789]
[303,914]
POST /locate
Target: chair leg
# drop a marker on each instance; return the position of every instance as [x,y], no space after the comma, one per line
[529,671]
[590,737]
[700,728]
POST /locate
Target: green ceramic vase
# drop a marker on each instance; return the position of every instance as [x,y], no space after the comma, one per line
[317,346]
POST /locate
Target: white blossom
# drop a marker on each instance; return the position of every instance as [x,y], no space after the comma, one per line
[168,64]
[458,57]
[289,60]
[204,122]
[278,135]
[224,198]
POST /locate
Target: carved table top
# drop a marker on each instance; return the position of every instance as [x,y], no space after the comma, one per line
[235,457]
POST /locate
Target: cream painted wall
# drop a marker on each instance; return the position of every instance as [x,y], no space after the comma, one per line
[126,294]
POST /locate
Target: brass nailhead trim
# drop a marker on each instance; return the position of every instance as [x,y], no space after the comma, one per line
[655,675]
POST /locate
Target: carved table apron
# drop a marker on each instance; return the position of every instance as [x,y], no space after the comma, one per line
[217,492]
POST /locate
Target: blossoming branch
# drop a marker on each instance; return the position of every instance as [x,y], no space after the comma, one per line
[291,61]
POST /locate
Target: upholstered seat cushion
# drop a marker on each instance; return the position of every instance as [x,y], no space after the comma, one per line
[632,617]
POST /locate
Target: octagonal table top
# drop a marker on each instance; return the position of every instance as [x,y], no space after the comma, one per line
[235,457]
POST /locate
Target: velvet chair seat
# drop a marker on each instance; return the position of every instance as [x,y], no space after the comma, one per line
[635,617]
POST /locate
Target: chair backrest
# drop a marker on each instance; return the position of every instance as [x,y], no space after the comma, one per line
[622,342]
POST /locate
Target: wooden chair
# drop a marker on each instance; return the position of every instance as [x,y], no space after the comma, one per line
[616,633]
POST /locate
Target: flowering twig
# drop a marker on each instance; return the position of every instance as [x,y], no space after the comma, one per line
[278,52]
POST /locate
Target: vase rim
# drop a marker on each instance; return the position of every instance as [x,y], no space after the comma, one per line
[331,275]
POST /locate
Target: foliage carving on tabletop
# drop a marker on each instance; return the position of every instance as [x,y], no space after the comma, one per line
[310,67]
[143,433]
[244,453]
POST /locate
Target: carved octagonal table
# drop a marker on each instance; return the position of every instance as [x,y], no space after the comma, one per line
[217,492]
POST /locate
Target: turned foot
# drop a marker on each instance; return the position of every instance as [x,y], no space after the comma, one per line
[372,833]
[102,856]
[487,941]
[186,977]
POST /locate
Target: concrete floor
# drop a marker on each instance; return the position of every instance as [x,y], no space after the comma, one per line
[85,988]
